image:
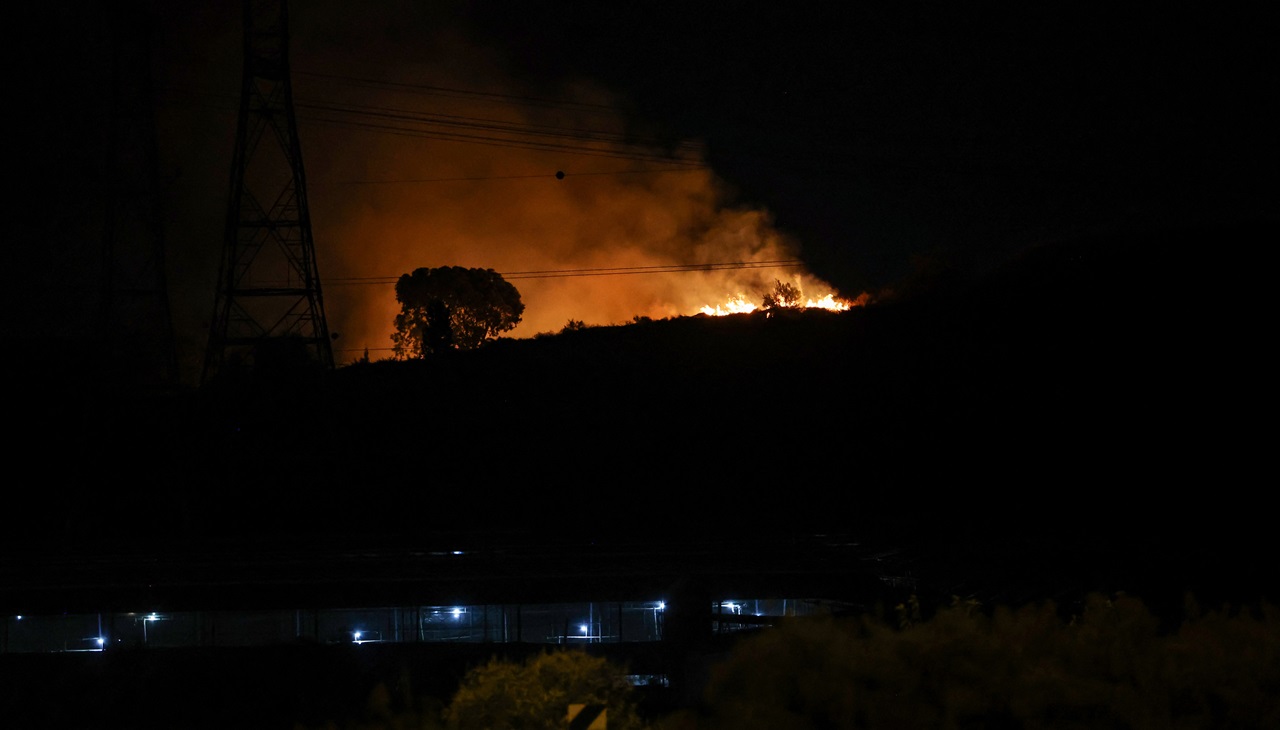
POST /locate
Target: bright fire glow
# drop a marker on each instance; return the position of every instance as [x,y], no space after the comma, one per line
[827,302]
[736,305]
[739,305]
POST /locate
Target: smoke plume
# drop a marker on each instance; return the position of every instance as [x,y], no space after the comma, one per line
[426,151]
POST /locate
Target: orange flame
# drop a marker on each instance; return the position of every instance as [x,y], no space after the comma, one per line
[735,305]
[738,304]
[827,302]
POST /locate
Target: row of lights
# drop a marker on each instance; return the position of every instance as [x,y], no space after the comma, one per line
[358,636]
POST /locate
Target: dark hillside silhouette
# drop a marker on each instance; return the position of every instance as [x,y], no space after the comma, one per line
[1063,423]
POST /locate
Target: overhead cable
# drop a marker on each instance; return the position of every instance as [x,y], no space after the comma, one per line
[605,271]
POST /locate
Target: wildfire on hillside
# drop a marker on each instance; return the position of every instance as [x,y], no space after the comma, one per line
[601,231]
[739,304]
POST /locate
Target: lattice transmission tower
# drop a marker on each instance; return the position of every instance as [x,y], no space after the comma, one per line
[268,309]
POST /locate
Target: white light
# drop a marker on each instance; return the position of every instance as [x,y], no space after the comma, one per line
[19,618]
[662,605]
[357,636]
[457,612]
[101,641]
[584,628]
[152,617]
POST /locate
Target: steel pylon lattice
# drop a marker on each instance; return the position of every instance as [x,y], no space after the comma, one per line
[268,310]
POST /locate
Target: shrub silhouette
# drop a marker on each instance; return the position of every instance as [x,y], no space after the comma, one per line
[962,666]
[536,693]
[1110,666]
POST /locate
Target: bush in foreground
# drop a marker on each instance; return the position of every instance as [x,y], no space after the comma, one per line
[1109,667]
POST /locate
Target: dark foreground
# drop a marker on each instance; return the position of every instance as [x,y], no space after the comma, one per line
[1079,415]
[1077,421]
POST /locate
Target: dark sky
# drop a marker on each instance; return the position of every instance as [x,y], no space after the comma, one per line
[879,130]
[859,138]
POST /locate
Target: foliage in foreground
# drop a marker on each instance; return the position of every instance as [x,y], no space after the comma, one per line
[1109,667]
[536,694]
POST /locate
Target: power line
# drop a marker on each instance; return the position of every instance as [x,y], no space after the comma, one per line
[452,92]
[172,101]
[477,178]
[604,271]
[448,92]
[485,124]
[660,269]
[496,141]
[491,132]
[838,158]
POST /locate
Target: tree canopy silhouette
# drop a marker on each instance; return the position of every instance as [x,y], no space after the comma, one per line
[452,308]
[783,295]
[537,692]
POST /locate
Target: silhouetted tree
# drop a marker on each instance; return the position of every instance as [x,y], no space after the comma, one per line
[783,295]
[452,307]
[537,693]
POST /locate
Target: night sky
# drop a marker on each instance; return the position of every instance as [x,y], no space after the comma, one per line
[862,142]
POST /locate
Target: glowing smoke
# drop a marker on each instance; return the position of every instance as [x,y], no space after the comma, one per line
[504,208]
[425,153]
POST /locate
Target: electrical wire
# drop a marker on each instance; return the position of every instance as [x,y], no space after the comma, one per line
[453,92]
[603,271]
[481,130]
[479,178]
